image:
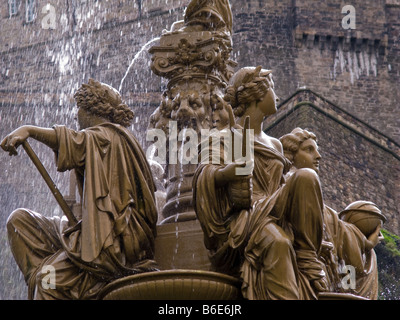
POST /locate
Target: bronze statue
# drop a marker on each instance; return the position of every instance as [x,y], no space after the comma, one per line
[114,236]
[274,245]
[344,243]
[268,227]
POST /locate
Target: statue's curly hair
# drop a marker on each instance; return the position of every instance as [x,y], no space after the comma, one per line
[247,85]
[291,142]
[104,101]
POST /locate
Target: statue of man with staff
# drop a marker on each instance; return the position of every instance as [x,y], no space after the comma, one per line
[114,237]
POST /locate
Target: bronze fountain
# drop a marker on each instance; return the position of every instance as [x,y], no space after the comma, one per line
[244,215]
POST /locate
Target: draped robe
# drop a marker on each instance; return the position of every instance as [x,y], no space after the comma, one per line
[115,235]
[349,250]
[274,245]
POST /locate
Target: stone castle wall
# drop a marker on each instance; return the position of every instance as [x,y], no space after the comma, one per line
[303,43]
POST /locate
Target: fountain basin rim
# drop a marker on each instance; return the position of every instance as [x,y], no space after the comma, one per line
[340,296]
[170,274]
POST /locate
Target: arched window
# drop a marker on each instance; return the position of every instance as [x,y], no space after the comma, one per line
[30,10]
[12,7]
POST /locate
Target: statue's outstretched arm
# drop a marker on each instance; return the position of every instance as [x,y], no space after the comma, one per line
[45,135]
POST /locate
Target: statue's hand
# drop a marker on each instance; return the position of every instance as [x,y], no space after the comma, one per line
[374,239]
[326,249]
[321,285]
[229,173]
[14,139]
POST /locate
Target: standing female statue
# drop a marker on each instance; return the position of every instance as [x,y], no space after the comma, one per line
[115,233]
[273,246]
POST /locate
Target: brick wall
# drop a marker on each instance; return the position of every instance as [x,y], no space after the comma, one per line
[305,45]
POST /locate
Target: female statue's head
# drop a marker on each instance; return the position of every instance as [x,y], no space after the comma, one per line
[101,100]
[301,148]
[248,85]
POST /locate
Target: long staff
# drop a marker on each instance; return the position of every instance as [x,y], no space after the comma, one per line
[54,190]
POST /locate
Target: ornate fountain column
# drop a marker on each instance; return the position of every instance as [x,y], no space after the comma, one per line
[194,57]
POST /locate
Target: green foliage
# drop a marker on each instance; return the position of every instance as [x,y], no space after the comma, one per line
[392,242]
[388,254]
